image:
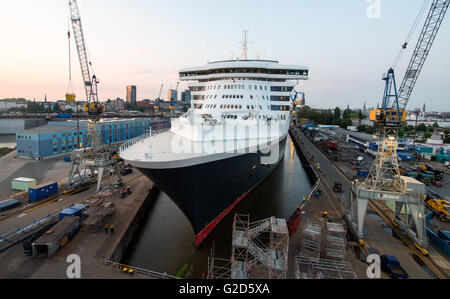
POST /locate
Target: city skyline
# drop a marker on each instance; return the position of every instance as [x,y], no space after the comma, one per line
[345,50]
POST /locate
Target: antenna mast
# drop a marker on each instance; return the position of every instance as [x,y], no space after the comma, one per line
[245,46]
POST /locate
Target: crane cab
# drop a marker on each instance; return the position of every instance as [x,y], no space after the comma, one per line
[387,116]
[93,108]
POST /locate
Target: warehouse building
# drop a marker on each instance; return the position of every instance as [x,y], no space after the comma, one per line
[60,137]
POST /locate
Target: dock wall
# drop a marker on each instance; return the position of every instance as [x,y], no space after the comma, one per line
[305,162]
[121,246]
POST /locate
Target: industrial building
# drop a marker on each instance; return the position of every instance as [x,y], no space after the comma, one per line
[59,137]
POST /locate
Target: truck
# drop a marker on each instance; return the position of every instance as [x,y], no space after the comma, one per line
[391,265]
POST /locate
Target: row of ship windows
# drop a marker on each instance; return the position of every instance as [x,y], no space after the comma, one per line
[229,116]
[242,86]
[211,106]
[249,107]
[245,70]
[226,96]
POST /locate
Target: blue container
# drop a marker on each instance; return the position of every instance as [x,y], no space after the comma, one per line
[42,191]
[404,156]
[363,174]
[65,115]
[67,159]
[70,212]
[9,204]
[80,206]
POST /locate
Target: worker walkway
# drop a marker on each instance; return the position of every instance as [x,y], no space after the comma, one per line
[22,233]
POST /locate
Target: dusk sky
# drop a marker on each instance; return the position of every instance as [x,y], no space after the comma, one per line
[146,42]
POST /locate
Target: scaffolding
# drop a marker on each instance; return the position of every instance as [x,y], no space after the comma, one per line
[314,268]
[312,239]
[336,239]
[259,251]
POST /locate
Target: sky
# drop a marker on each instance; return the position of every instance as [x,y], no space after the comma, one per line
[146,42]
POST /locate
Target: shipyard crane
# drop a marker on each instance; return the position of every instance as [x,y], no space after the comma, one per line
[172,103]
[385,172]
[96,158]
[90,83]
[385,181]
[158,100]
[295,98]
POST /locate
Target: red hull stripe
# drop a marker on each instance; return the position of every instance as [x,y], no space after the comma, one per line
[200,237]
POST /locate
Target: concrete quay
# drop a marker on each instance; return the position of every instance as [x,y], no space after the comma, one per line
[93,248]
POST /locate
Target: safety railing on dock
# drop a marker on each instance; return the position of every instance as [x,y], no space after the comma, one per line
[22,233]
[135,270]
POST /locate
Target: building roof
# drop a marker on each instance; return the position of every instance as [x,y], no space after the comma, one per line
[25,180]
[363,136]
[48,129]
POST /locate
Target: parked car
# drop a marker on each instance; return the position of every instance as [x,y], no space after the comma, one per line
[437,183]
[391,265]
[126,171]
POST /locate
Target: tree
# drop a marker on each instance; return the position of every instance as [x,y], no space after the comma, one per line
[345,122]
[422,128]
[337,114]
[347,113]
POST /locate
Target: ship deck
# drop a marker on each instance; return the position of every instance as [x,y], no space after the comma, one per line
[170,150]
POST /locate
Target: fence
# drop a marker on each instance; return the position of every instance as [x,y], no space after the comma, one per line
[139,271]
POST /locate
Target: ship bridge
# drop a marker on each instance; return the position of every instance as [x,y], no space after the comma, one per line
[267,70]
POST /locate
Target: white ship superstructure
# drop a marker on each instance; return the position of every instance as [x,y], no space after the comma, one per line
[224,145]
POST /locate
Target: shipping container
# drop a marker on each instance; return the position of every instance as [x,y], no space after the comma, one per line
[80,206]
[55,238]
[65,115]
[69,212]
[9,204]
[363,174]
[42,191]
[27,244]
[74,211]
[23,184]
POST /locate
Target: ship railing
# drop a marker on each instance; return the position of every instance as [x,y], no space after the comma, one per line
[136,270]
[134,141]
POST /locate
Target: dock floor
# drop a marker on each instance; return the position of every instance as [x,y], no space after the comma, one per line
[93,248]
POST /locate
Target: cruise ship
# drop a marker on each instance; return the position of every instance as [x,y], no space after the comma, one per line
[230,140]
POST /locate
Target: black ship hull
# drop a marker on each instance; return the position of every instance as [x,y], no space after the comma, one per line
[207,192]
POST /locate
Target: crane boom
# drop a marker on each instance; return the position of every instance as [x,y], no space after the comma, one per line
[90,84]
[160,91]
[426,39]
[385,173]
